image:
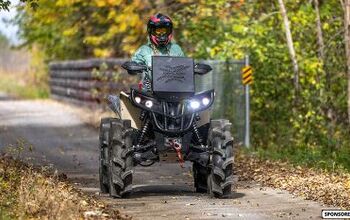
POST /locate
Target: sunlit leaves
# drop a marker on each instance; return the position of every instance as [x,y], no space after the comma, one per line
[77,28]
[221,29]
[329,187]
[256,28]
[5,4]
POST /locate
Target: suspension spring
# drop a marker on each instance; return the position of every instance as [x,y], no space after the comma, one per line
[144,130]
[142,115]
[196,132]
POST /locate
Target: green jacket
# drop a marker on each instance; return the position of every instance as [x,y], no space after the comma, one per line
[144,56]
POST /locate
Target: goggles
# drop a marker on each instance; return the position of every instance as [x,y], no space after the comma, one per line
[161,31]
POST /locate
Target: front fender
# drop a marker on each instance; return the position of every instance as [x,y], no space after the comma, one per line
[129,111]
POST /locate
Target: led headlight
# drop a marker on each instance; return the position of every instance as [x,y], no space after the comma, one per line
[194,104]
[205,101]
[149,104]
[137,99]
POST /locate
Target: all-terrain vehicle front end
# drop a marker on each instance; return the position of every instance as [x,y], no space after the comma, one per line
[164,119]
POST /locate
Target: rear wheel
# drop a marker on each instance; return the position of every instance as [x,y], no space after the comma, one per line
[200,175]
[120,158]
[104,141]
[220,179]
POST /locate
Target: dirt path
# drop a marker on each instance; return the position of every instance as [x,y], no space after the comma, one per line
[163,191]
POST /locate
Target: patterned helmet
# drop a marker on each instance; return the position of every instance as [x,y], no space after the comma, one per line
[160,29]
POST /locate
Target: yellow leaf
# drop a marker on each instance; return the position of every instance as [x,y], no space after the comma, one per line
[100,3]
[347,184]
[70,31]
[99,52]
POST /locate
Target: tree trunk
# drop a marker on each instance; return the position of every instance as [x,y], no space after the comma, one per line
[320,43]
[347,46]
[319,32]
[290,46]
[321,53]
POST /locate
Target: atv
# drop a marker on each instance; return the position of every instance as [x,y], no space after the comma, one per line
[164,119]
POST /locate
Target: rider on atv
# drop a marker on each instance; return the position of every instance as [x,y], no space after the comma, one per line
[160,32]
[164,118]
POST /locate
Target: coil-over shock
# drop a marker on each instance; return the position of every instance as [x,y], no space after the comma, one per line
[197,134]
[144,131]
[143,151]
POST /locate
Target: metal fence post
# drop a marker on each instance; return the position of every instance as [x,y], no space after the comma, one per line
[247,110]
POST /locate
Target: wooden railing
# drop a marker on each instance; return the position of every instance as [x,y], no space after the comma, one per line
[88,81]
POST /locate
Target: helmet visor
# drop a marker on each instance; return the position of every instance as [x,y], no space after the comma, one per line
[160,31]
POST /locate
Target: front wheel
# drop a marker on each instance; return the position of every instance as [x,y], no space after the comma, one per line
[220,178]
[120,158]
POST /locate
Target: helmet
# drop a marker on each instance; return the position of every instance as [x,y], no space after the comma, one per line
[160,29]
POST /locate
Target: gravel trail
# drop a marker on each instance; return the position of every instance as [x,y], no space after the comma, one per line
[163,191]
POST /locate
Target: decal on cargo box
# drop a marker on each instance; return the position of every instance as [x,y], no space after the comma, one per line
[173,73]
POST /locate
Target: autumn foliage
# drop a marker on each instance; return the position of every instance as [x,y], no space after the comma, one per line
[315,122]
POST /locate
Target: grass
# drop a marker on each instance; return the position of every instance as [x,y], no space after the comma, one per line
[320,158]
[21,85]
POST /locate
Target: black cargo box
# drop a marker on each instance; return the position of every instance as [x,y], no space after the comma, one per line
[172,77]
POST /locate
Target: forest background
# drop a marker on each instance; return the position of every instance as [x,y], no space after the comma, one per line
[299,50]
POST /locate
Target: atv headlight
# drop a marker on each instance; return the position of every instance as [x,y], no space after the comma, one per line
[145,102]
[149,104]
[205,101]
[138,99]
[200,101]
[194,104]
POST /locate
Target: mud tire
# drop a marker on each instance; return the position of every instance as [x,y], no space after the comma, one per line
[200,175]
[104,143]
[120,158]
[220,179]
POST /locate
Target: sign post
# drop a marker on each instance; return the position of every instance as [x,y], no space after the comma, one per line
[247,79]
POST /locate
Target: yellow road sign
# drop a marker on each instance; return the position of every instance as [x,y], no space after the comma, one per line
[247,75]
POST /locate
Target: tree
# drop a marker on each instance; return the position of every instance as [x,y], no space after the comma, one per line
[5,4]
[290,45]
[79,29]
[320,40]
[346,6]
[223,30]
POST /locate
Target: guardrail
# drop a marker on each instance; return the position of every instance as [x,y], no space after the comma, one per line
[88,81]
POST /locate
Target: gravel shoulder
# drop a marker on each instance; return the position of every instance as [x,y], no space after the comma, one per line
[165,191]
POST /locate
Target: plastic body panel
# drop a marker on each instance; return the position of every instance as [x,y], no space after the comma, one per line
[172,77]
[204,118]
[129,111]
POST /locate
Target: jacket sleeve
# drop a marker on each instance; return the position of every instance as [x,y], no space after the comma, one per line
[139,56]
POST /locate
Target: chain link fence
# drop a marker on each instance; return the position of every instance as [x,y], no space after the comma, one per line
[226,80]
